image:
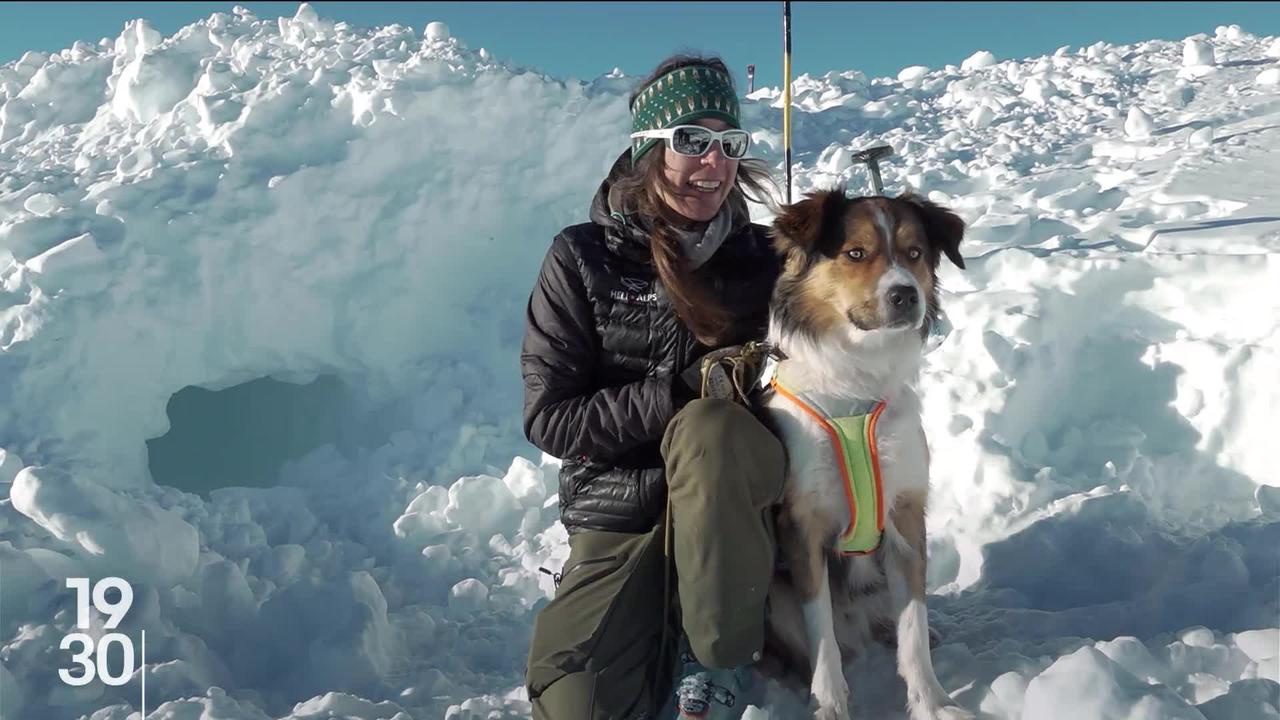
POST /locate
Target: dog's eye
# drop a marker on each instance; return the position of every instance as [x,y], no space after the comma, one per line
[914,254]
[857,254]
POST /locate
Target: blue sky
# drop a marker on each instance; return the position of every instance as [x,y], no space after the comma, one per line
[584,39]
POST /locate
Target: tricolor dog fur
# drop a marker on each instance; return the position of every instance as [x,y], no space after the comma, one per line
[851,312]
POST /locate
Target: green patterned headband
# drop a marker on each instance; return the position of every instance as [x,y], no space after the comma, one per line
[678,98]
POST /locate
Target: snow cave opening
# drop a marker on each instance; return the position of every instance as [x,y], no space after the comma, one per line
[242,436]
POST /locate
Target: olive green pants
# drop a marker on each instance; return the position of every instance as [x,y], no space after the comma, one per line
[597,650]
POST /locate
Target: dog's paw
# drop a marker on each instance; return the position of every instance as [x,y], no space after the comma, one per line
[950,712]
[831,695]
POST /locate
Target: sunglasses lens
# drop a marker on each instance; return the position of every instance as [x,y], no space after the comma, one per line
[694,141]
[735,143]
[690,140]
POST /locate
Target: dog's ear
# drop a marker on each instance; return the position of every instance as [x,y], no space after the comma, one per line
[942,227]
[811,224]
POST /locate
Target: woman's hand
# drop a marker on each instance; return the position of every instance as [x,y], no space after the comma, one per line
[718,382]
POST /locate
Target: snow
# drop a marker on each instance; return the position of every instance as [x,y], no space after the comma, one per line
[437,31]
[1268,498]
[1138,124]
[1198,51]
[1259,645]
[1100,689]
[1201,138]
[42,204]
[912,76]
[981,116]
[301,199]
[468,596]
[115,534]
[978,60]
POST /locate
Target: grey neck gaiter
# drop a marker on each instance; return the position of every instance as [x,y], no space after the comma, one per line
[698,247]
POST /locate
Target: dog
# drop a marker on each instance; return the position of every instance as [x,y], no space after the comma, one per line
[851,312]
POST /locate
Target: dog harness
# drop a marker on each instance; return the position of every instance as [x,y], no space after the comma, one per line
[853,440]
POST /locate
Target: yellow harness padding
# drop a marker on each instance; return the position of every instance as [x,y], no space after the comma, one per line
[853,440]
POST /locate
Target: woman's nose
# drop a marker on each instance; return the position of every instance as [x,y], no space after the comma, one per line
[714,157]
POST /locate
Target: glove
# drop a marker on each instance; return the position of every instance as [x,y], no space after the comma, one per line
[717,373]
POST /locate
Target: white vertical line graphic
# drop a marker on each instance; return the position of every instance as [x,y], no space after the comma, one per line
[144,675]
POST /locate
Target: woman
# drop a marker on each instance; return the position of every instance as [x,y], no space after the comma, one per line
[667,498]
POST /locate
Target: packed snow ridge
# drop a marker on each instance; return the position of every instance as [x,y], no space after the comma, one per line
[254,204]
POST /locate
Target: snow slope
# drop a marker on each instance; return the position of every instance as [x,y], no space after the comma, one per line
[302,199]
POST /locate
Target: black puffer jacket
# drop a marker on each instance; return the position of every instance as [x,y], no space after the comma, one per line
[602,349]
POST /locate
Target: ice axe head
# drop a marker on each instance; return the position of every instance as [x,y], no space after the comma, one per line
[871,156]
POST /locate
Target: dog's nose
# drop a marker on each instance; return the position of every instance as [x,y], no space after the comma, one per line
[903,296]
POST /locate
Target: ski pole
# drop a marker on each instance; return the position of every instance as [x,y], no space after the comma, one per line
[786,91]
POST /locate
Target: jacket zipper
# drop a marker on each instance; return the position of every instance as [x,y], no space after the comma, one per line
[679,359]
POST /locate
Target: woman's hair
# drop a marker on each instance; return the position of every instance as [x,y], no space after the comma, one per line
[693,302]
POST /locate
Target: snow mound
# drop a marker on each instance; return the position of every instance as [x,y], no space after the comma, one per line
[295,199]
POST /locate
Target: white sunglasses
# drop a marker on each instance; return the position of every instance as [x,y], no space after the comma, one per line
[695,140]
